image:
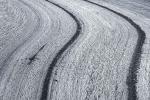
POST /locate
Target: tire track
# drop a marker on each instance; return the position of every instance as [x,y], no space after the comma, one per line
[134,65]
[27,67]
[45,87]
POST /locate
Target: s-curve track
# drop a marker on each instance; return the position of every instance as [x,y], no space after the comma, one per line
[74,50]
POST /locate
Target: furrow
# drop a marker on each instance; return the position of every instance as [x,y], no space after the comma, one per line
[45,88]
[135,62]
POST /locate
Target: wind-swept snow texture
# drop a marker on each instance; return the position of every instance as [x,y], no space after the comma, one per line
[74,50]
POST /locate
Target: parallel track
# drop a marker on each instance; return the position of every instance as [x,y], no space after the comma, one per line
[135,62]
[45,87]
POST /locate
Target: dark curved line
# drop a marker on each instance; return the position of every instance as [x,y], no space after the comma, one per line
[45,87]
[135,61]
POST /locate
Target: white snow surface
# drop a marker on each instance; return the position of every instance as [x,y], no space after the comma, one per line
[95,66]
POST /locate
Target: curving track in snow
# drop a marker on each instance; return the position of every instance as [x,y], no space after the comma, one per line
[73,50]
[24,70]
[135,62]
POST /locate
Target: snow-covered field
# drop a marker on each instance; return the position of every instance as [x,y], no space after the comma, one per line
[74,50]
